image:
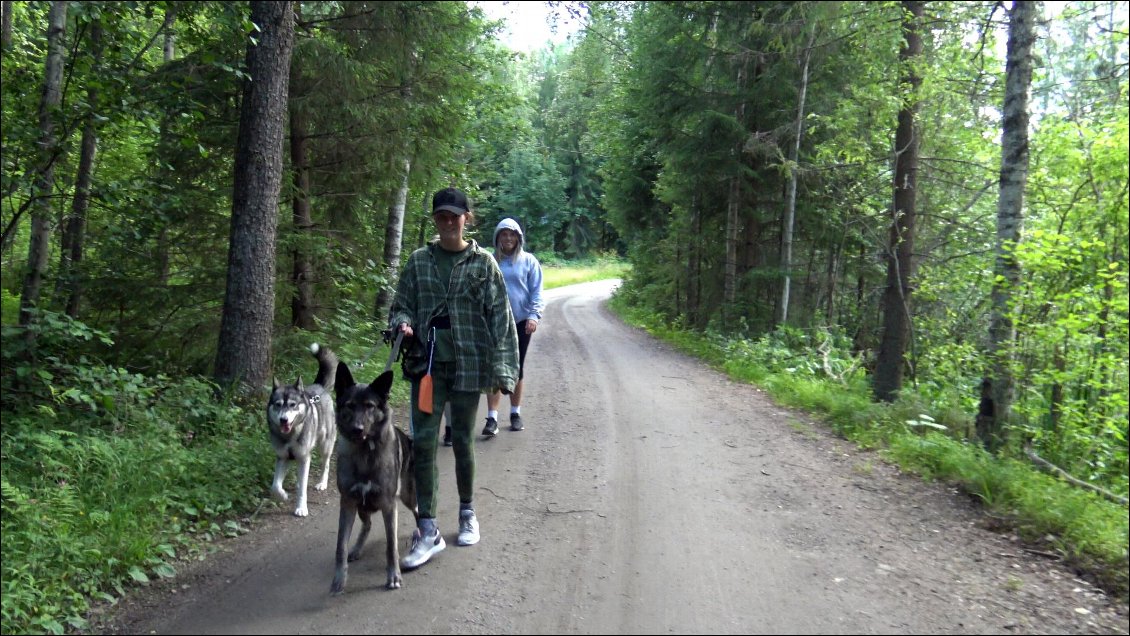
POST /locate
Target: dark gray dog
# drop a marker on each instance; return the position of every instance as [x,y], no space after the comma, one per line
[374,469]
[300,419]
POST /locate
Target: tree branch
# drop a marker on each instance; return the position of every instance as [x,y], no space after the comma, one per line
[1059,472]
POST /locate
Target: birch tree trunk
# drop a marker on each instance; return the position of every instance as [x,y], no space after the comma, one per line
[790,207]
[394,237]
[888,378]
[163,144]
[39,243]
[243,356]
[993,418]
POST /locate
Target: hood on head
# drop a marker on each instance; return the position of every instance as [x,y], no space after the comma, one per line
[509,224]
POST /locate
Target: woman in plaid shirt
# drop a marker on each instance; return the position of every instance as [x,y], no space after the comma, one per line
[452,293]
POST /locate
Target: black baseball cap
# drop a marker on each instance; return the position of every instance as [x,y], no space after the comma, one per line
[450,200]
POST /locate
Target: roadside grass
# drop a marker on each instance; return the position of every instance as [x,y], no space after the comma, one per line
[557,273]
[1090,533]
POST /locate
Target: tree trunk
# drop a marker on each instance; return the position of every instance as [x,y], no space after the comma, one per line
[39,243]
[888,378]
[733,208]
[165,141]
[832,275]
[302,274]
[74,232]
[6,26]
[694,265]
[394,236]
[422,225]
[243,356]
[991,430]
[790,207]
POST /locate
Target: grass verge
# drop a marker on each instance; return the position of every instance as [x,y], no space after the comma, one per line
[1087,531]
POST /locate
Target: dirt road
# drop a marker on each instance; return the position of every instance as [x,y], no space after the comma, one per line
[648,494]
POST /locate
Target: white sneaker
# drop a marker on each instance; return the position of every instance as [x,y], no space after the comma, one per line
[468,528]
[423,548]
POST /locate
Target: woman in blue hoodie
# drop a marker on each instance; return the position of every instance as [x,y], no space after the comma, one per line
[522,273]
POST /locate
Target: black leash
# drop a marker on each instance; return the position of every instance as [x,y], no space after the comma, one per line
[386,337]
[395,350]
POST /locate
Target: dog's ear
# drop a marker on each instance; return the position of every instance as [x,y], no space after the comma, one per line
[274,384]
[344,379]
[383,384]
[298,383]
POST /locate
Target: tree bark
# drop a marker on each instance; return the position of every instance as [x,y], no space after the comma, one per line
[6,25]
[243,356]
[394,237]
[694,264]
[790,207]
[888,378]
[165,141]
[74,232]
[302,272]
[991,430]
[733,208]
[39,243]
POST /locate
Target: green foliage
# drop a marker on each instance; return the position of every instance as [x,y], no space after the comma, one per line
[79,522]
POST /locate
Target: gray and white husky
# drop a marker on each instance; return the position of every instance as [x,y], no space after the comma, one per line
[300,419]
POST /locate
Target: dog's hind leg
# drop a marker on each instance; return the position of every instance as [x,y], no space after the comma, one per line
[303,478]
[366,526]
[277,485]
[407,485]
[408,494]
[392,550]
[345,520]
[328,453]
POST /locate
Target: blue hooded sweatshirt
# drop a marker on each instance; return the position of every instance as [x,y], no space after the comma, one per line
[522,273]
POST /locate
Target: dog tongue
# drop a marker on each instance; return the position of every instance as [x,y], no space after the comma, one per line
[285,428]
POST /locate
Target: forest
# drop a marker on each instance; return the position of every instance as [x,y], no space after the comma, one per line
[927,203]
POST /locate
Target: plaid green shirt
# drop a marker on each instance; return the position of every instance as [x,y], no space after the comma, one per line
[486,341]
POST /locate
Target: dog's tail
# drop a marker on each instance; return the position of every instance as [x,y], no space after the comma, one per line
[327,366]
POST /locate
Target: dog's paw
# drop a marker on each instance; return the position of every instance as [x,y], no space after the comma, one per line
[394,581]
[280,494]
[301,511]
[354,554]
[337,588]
[322,485]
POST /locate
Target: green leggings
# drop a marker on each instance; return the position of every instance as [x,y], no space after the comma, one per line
[425,429]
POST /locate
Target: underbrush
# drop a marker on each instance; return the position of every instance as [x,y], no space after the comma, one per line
[92,504]
[924,434]
[110,477]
